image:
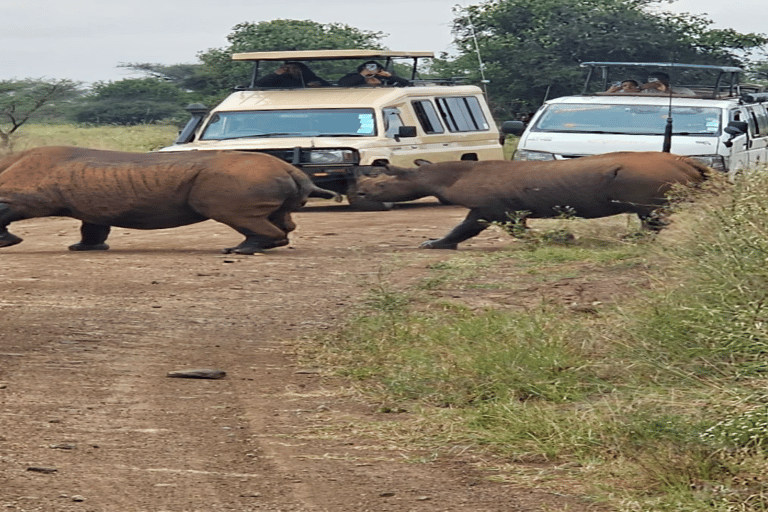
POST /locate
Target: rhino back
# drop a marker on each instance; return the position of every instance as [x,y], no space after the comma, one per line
[103,187]
[591,187]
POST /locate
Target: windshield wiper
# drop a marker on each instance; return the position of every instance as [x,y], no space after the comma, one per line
[339,135]
[263,136]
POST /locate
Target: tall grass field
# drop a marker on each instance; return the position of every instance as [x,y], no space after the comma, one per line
[118,138]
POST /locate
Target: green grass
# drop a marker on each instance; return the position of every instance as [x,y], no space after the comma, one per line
[119,138]
[657,403]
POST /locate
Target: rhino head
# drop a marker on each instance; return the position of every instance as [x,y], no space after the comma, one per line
[389,183]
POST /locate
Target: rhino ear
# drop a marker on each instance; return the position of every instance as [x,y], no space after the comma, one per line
[392,170]
[420,162]
[368,171]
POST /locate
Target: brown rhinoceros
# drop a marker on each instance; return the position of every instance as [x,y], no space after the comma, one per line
[588,187]
[253,193]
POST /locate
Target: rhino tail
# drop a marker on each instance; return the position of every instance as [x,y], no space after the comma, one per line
[309,189]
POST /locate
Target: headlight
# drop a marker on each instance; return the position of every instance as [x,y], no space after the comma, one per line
[524,154]
[336,156]
[716,162]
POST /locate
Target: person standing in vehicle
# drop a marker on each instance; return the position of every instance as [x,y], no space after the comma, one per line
[372,73]
[291,75]
[659,82]
[628,86]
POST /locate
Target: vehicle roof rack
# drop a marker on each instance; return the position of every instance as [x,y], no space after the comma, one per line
[331,55]
[724,69]
[754,97]
[727,76]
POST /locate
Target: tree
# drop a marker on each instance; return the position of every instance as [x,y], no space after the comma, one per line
[24,100]
[133,101]
[532,48]
[191,78]
[281,35]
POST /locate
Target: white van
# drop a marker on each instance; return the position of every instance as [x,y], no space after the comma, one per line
[329,130]
[716,120]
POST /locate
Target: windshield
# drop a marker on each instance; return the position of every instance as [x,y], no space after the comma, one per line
[350,122]
[629,119]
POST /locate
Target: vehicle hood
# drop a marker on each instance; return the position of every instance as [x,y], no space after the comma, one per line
[581,144]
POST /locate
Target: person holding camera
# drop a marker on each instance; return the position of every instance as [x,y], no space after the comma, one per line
[291,75]
[628,86]
[659,83]
[371,73]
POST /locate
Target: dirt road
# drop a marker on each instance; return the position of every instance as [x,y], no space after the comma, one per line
[89,420]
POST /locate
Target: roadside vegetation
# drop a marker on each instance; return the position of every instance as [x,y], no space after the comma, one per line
[657,401]
[139,139]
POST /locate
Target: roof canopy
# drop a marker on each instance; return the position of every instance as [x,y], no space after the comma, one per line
[331,55]
[723,69]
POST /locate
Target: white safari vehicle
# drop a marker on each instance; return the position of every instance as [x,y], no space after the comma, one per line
[329,130]
[707,115]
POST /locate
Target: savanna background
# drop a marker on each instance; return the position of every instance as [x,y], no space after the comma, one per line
[647,395]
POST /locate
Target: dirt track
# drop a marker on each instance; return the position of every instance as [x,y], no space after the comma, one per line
[89,421]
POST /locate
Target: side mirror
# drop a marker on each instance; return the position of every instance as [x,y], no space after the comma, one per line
[736,128]
[512,128]
[406,131]
[198,113]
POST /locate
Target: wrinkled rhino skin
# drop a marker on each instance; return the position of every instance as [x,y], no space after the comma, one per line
[252,193]
[588,187]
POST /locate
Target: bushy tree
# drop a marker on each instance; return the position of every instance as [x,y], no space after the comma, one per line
[532,48]
[28,99]
[133,101]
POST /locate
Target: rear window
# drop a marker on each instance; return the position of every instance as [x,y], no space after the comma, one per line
[629,119]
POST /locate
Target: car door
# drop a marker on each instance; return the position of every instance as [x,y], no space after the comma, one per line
[757,146]
[739,156]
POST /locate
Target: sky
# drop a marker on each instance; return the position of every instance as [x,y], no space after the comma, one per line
[86,40]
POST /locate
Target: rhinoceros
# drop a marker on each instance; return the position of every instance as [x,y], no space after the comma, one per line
[588,187]
[252,193]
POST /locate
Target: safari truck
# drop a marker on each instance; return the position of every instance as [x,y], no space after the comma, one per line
[328,130]
[706,114]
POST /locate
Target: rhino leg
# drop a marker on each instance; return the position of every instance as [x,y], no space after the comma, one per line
[7,239]
[471,226]
[254,243]
[261,232]
[92,237]
[654,221]
[6,217]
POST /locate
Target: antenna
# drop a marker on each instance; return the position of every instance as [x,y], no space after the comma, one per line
[480,64]
[667,146]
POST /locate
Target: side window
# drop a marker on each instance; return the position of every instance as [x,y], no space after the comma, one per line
[427,116]
[754,130]
[392,121]
[462,114]
[761,120]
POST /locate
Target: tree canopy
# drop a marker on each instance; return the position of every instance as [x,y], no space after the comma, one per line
[532,49]
[133,101]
